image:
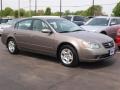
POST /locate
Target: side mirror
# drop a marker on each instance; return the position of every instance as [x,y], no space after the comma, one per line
[46,31]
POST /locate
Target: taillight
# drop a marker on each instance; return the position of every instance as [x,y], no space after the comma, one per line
[118,37]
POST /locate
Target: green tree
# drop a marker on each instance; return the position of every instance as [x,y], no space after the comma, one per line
[81,13]
[22,12]
[40,12]
[8,11]
[116,10]
[97,10]
[16,13]
[56,14]
[27,13]
[67,12]
[48,11]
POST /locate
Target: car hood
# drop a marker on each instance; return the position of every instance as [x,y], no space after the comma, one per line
[94,28]
[89,36]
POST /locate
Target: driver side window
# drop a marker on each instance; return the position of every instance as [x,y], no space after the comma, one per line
[38,25]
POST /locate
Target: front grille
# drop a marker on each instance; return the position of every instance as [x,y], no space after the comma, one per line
[108,44]
[104,56]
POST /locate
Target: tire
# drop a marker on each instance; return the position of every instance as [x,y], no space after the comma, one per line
[118,47]
[12,47]
[69,59]
[103,32]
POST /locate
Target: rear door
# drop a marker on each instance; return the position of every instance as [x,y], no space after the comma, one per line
[23,33]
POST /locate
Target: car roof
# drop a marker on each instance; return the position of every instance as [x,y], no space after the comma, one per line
[46,17]
[73,16]
[43,18]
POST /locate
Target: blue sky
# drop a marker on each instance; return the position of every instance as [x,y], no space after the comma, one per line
[42,4]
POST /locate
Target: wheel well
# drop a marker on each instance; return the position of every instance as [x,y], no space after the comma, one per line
[65,43]
[9,39]
[103,32]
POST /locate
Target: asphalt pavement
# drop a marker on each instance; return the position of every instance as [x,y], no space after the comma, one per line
[28,71]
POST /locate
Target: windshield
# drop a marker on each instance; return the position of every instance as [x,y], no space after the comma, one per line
[62,25]
[98,22]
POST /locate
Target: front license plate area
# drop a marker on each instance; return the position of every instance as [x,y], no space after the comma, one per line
[112,52]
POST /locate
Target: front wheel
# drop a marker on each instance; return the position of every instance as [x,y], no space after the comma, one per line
[68,56]
[12,47]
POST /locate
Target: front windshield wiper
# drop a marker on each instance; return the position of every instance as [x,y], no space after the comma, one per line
[64,31]
[77,30]
[71,31]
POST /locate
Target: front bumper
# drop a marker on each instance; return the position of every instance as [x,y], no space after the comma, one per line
[90,55]
[0,33]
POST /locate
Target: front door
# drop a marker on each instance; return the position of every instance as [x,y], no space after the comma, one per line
[42,42]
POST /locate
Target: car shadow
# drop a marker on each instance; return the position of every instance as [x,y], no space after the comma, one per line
[98,64]
[39,56]
[84,65]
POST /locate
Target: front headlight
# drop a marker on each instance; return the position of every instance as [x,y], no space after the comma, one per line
[91,45]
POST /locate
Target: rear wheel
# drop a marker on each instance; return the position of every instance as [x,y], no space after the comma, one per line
[68,56]
[12,47]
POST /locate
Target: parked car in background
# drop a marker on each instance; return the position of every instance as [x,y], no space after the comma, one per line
[4,20]
[58,37]
[114,32]
[79,20]
[7,25]
[99,23]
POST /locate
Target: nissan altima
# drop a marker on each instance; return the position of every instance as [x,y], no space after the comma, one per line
[58,37]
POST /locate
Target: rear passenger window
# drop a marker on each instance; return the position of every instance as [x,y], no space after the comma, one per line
[24,25]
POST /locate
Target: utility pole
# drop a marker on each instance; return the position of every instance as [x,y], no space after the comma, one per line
[60,8]
[36,7]
[93,9]
[18,8]
[1,8]
[30,8]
